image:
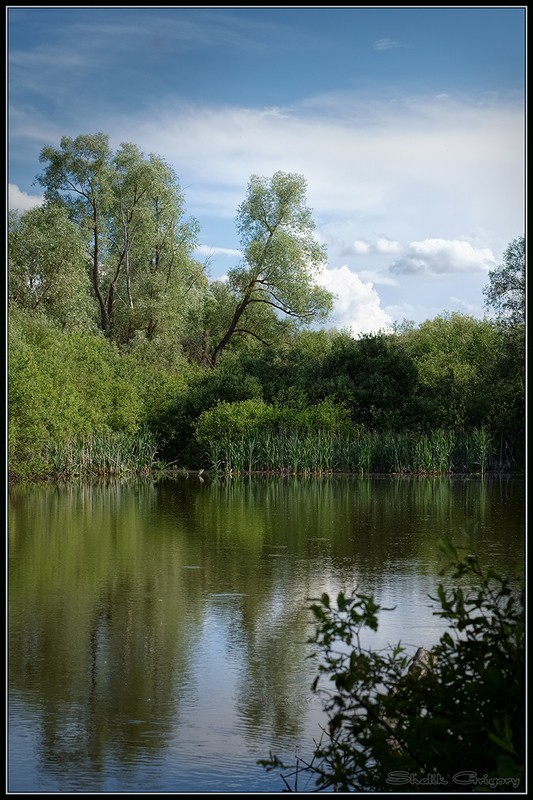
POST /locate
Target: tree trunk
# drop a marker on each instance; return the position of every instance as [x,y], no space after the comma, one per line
[104,317]
[239,311]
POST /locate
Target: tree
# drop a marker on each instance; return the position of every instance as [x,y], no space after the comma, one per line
[291,372]
[77,176]
[281,258]
[506,292]
[131,208]
[452,719]
[154,244]
[454,355]
[47,267]
[374,377]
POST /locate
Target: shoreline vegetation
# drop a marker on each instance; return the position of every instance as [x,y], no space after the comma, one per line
[319,453]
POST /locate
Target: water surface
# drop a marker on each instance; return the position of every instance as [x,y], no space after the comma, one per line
[158,629]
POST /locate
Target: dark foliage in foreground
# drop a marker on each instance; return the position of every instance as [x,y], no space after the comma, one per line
[455,723]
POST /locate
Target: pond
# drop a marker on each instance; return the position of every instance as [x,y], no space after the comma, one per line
[157,629]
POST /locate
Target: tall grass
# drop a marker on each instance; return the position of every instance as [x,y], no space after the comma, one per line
[113,453]
[441,452]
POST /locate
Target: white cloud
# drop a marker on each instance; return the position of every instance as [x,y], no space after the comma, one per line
[357,304]
[404,165]
[468,308]
[385,44]
[380,278]
[380,174]
[387,246]
[20,201]
[210,252]
[382,246]
[358,248]
[414,161]
[443,257]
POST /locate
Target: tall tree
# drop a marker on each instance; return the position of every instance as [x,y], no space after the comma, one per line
[140,244]
[47,267]
[78,176]
[506,291]
[153,243]
[281,258]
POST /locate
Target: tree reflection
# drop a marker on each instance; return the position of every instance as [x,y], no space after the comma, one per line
[117,590]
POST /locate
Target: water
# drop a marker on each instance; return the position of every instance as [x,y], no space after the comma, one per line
[157,630]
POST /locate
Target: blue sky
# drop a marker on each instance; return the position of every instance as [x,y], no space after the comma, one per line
[407,123]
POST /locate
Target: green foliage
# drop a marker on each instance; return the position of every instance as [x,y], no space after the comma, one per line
[456,358]
[130,209]
[47,268]
[233,419]
[506,291]
[63,386]
[289,371]
[320,439]
[506,378]
[374,377]
[281,258]
[258,328]
[255,436]
[175,420]
[458,719]
[111,248]
[114,453]
[29,391]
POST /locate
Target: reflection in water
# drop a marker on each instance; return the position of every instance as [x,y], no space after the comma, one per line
[157,630]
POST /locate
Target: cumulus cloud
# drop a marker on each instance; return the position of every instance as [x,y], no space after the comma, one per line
[443,257]
[20,201]
[358,248]
[386,246]
[382,246]
[357,304]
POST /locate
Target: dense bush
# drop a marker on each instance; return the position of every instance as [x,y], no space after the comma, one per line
[63,387]
[255,436]
[374,377]
[456,724]
[174,421]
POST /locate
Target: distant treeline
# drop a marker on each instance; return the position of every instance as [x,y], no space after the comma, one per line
[447,396]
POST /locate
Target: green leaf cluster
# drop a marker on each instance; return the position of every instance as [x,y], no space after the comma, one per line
[455,721]
[63,386]
[506,291]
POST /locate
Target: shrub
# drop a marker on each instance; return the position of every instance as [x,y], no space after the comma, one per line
[457,726]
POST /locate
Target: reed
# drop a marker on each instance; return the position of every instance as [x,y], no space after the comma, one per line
[355,450]
[106,454]
[483,448]
[365,451]
[442,447]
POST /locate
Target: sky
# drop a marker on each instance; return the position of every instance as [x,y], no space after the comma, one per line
[407,123]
